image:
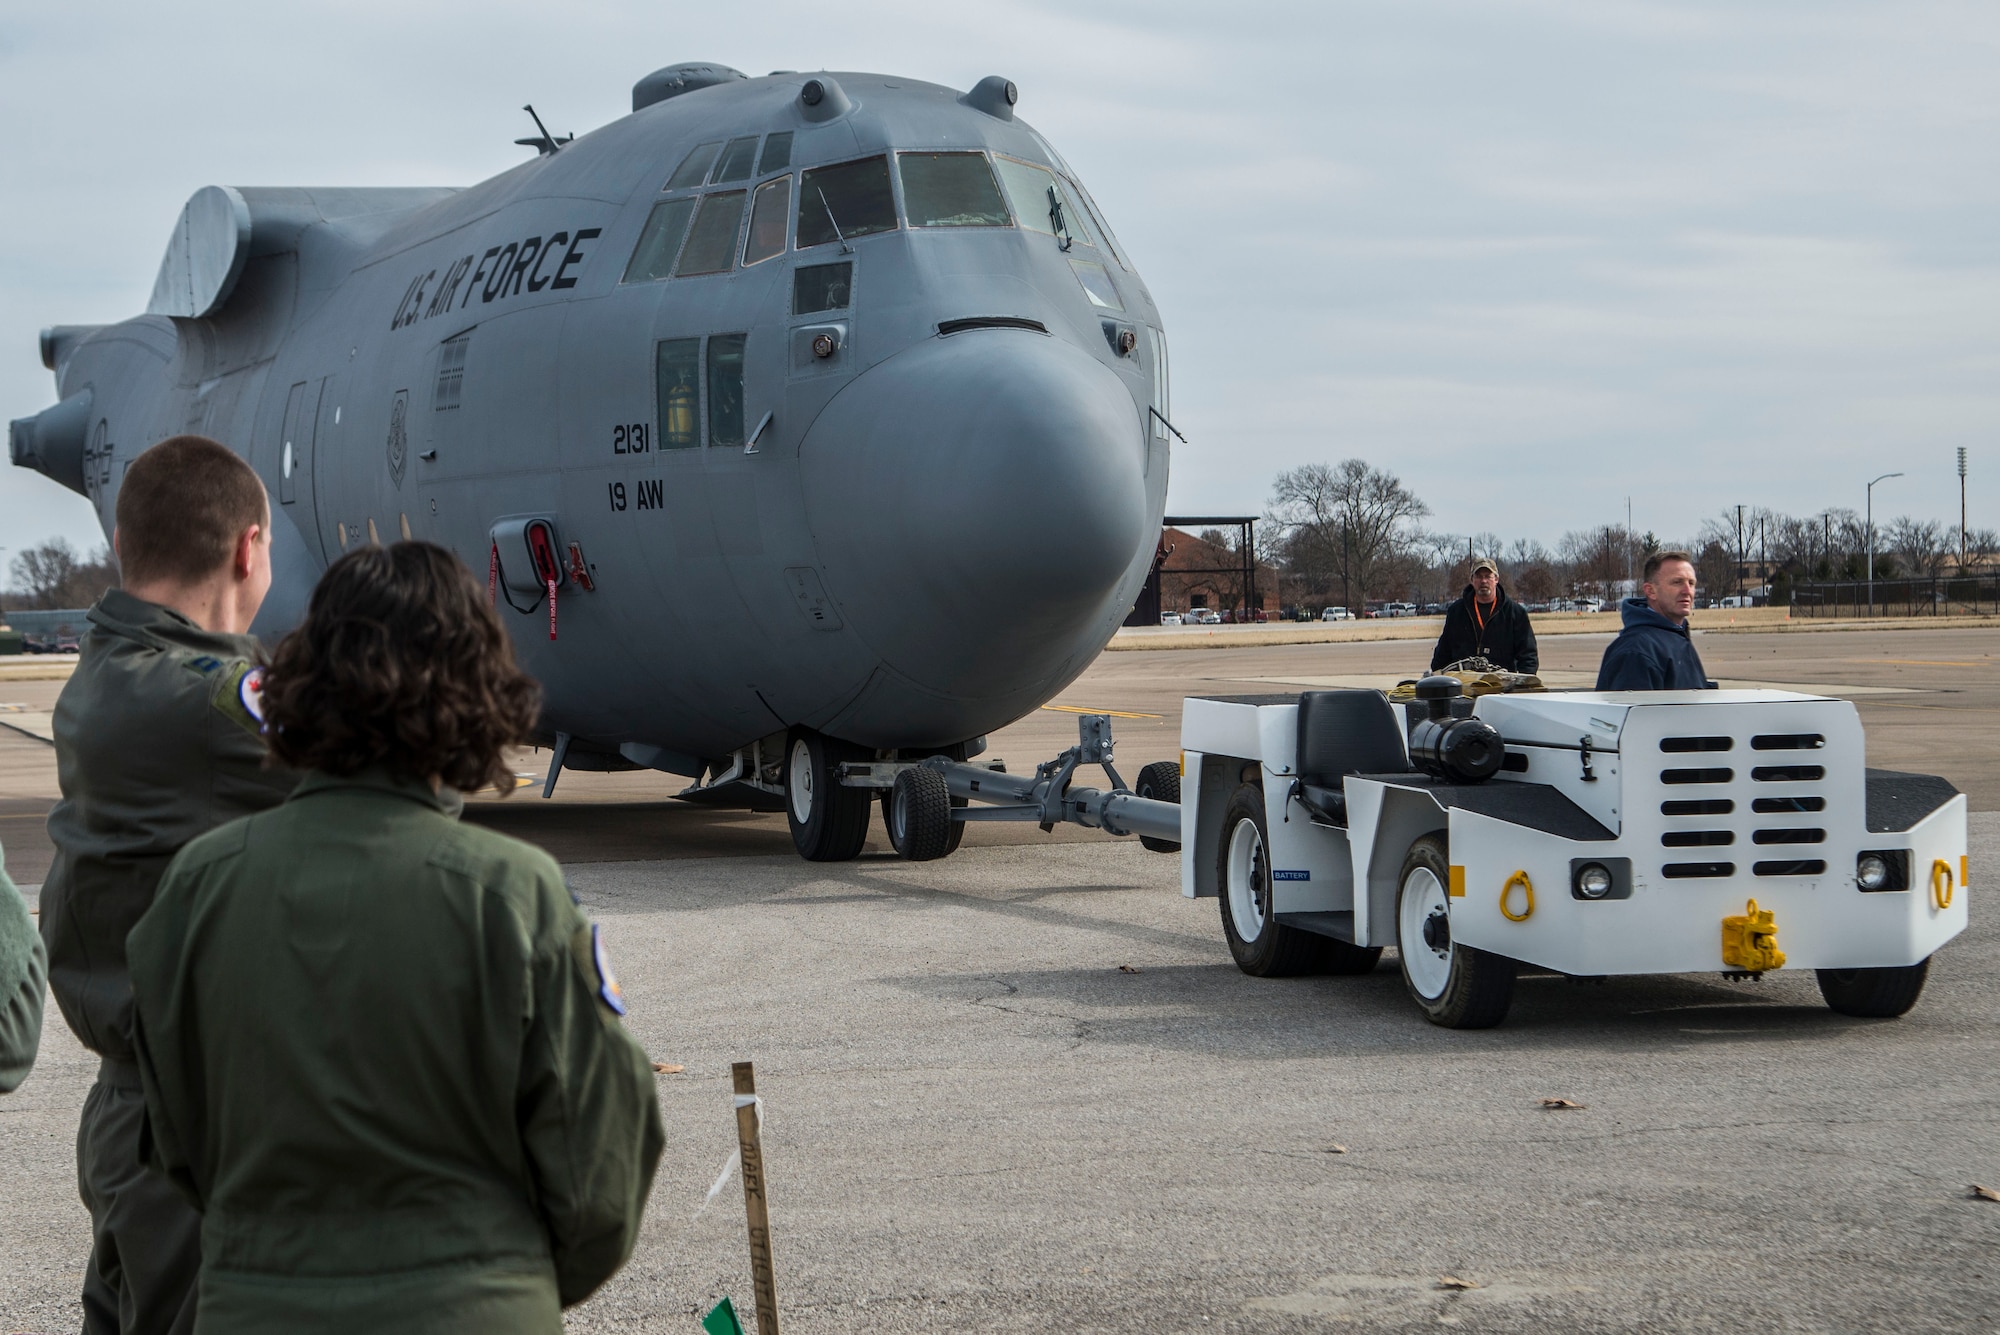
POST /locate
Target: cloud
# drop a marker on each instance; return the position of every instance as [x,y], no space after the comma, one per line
[1533,255]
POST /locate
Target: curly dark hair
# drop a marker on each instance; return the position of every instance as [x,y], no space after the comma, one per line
[401,663]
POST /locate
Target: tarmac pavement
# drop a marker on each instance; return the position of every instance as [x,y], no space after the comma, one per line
[980,1120]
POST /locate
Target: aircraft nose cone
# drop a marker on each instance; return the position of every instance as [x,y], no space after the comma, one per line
[980,508]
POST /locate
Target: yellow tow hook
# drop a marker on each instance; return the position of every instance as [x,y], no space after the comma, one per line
[1519,878]
[1941,884]
[1750,941]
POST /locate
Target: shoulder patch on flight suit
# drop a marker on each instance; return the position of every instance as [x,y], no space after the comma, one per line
[205,664]
[239,694]
[608,990]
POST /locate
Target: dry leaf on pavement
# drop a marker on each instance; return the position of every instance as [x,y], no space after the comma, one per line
[1562,1105]
[667,1068]
[1336,1149]
[1980,1193]
[1454,1282]
[1126,968]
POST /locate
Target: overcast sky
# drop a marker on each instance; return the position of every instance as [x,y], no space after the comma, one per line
[1533,257]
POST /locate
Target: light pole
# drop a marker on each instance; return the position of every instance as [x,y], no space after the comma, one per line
[1961,509]
[1871,539]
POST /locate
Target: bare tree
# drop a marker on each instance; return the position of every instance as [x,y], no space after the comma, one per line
[1981,546]
[1921,544]
[1345,523]
[53,575]
[1529,572]
[1598,559]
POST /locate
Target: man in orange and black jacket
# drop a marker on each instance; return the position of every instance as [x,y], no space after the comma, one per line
[1486,623]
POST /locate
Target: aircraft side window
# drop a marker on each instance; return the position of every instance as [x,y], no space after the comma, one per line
[736,160]
[1075,218]
[451,373]
[848,200]
[777,153]
[676,380]
[1111,245]
[822,287]
[653,257]
[950,190]
[725,389]
[711,243]
[694,167]
[769,212]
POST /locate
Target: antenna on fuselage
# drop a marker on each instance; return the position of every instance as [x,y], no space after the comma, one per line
[547,143]
[845,249]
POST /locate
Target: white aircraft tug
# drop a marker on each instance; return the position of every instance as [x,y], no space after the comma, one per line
[1590,833]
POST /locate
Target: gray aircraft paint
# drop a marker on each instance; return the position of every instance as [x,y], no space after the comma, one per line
[935,533]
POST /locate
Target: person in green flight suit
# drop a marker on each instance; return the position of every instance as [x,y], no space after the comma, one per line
[154,745]
[382,1049]
[24,976]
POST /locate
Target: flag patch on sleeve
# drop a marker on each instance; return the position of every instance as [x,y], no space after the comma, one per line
[608,990]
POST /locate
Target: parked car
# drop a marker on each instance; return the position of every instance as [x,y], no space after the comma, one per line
[1399,610]
[1170,618]
[1204,616]
[1336,614]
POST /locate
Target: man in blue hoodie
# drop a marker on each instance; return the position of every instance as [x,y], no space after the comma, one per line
[1653,652]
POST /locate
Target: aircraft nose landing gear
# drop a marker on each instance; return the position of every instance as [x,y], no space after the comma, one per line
[829,822]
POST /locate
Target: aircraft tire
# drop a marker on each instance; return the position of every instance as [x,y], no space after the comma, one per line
[1457,986]
[1874,994]
[1262,946]
[829,822]
[918,812]
[1160,781]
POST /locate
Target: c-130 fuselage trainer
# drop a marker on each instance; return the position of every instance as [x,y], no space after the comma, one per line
[802,422]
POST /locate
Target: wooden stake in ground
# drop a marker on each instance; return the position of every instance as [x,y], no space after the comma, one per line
[756,1207]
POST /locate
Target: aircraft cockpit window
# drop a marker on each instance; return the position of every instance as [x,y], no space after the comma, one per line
[1027,190]
[676,375]
[1097,285]
[725,389]
[1111,245]
[1162,405]
[711,245]
[769,212]
[1043,202]
[694,167]
[653,257]
[736,160]
[777,153]
[822,287]
[845,201]
[950,190]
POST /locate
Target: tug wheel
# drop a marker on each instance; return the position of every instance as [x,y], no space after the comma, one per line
[1874,994]
[829,822]
[917,811]
[1457,986]
[1262,946]
[1160,781]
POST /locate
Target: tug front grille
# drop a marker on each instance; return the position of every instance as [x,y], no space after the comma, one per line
[1679,871]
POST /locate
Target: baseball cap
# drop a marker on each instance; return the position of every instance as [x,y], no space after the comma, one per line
[1485,563]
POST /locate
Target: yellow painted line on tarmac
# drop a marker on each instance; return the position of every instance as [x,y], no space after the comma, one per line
[1114,713]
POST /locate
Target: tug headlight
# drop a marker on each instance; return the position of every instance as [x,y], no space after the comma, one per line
[1871,871]
[1593,881]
